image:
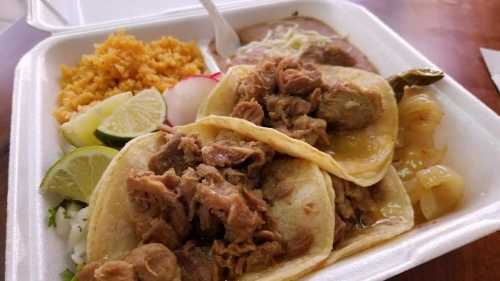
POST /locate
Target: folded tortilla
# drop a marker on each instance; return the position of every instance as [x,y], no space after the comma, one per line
[360,156]
[111,229]
[395,216]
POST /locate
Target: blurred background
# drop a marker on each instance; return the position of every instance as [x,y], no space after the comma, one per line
[10,10]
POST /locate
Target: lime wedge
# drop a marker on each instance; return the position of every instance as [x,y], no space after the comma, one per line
[76,174]
[140,115]
[79,131]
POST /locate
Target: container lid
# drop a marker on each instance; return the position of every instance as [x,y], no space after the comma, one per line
[63,15]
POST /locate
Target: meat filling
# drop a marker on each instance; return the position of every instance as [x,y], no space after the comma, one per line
[196,264]
[297,78]
[355,207]
[346,107]
[200,214]
[249,110]
[290,96]
[150,262]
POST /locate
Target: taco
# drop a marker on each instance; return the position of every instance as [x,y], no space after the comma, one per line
[347,118]
[207,202]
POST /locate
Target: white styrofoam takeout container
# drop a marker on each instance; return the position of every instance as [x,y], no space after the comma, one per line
[471,130]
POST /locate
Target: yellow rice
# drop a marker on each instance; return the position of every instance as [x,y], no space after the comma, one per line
[123,63]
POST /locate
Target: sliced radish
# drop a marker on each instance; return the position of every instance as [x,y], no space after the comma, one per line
[217,75]
[214,76]
[185,97]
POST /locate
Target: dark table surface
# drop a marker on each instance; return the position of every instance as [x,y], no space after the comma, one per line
[448,32]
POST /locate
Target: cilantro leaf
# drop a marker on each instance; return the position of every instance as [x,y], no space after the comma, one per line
[68,275]
[51,220]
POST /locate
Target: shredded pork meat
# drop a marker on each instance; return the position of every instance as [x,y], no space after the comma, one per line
[249,110]
[290,96]
[179,153]
[297,78]
[150,262]
[196,263]
[354,207]
[236,258]
[115,271]
[204,203]
[346,107]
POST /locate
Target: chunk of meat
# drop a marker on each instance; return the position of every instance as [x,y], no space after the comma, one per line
[190,145]
[255,200]
[328,54]
[341,229]
[268,236]
[235,177]
[309,129]
[241,221]
[115,271]
[342,204]
[151,198]
[231,259]
[262,154]
[346,107]
[187,190]
[258,83]
[209,225]
[266,68]
[217,194]
[265,255]
[235,259]
[209,174]
[227,203]
[253,86]
[315,99]
[153,262]
[230,154]
[178,219]
[249,110]
[220,154]
[158,231]
[180,152]
[354,207]
[297,78]
[226,154]
[361,198]
[147,193]
[87,273]
[196,265]
[284,107]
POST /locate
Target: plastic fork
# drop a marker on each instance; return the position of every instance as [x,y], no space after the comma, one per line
[227,40]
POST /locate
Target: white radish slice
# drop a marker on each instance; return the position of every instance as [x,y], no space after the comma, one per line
[214,76]
[185,97]
[217,75]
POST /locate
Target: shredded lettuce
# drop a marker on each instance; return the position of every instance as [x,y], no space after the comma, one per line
[289,40]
